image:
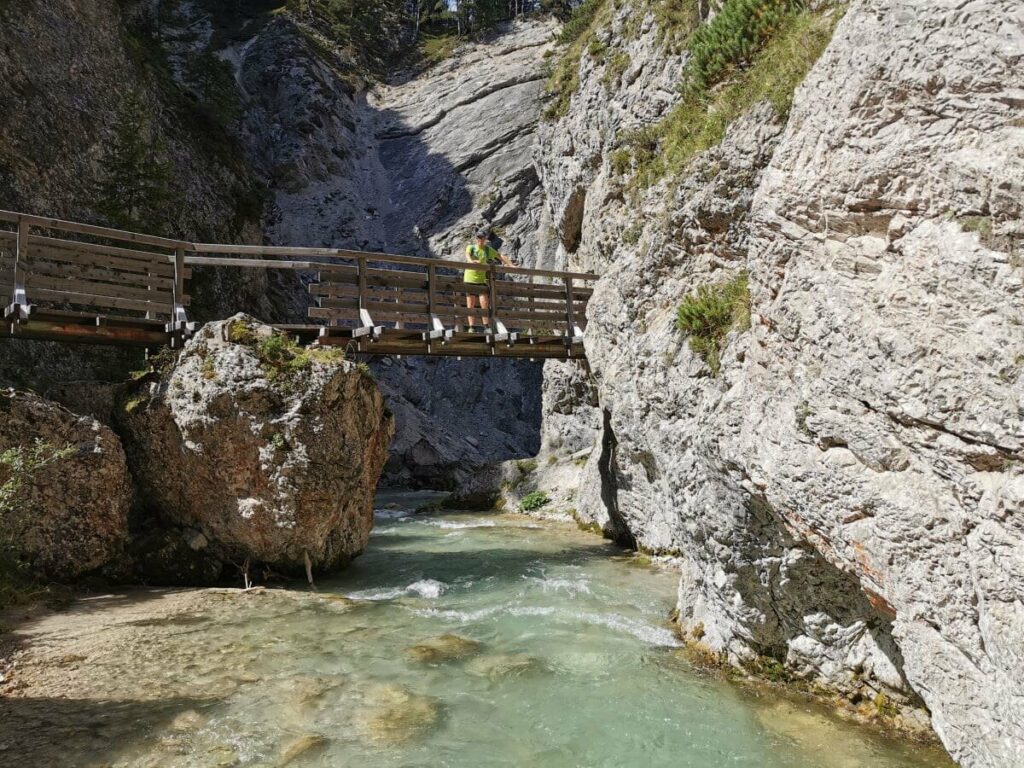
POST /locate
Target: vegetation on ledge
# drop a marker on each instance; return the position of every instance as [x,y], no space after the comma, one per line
[534,501]
[710,313]
[737,61]
[578,35]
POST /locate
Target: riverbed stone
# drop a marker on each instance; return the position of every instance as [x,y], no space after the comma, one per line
[396,715]
[270,451]
[444,648]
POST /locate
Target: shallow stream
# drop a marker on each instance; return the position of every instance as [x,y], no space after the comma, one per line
[459,639]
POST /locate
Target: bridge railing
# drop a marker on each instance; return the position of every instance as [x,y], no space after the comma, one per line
[96,282]
[72,281]
[370,292]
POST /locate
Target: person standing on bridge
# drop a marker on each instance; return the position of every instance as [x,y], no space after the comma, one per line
[480,251]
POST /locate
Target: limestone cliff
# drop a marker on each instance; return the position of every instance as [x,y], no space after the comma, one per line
[845,484]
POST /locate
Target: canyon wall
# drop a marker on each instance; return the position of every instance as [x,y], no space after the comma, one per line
[845,486]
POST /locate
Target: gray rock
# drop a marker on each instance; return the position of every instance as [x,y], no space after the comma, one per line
[846,494]
[272,462]
[65,513]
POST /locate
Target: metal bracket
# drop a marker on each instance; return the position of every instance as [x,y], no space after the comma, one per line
[367,328]
[19,309]
[500,333]
[437,331]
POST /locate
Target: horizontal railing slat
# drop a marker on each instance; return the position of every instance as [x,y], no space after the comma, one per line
[106,232]
[100,274]
[90,288]
[85,299]
[101,260]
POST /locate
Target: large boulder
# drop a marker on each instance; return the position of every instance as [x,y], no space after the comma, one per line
[268,450]
[64,488]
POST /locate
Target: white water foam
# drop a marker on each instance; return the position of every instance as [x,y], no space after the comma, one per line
[449,525]
[428,588]
[392,514]
[574,587]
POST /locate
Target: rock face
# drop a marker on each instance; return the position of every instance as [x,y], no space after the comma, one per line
[847,492]
[412,167]
[65,512]
[268,452]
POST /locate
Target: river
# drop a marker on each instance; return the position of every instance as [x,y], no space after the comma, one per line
[458,639]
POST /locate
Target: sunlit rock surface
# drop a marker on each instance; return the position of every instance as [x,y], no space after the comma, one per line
[846,494]
[268,455]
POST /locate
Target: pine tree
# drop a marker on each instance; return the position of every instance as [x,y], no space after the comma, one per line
[133,189]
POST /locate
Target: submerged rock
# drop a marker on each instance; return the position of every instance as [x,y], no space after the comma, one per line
[444,648]
[504,666]
[67,492]
[303,746]
[395,714]
[270,451]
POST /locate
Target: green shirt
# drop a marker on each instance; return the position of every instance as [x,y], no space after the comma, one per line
[485,255]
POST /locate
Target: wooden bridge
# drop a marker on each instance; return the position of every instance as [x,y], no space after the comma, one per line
[82,283]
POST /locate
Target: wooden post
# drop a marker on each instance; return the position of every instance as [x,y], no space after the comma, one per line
[492,290]
[365,320]
[20,307]
[437,329]
[570,317]
[179,320]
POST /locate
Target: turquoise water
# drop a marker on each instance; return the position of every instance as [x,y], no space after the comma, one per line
[458,640]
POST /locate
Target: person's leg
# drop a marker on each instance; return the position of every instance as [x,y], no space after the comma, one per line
[485,304]
[470,304]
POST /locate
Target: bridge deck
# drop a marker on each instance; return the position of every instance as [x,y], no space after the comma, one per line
[82,283]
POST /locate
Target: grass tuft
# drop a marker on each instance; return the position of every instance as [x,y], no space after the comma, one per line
[578,36]
[710,313]
[699,121]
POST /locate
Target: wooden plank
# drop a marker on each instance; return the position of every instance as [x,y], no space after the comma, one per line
[84,299]
[545,315]
[508,288]
[87,287]
[369,257]
[72,332]
[450,317]
[100,274]
[105,232]
[377,285]
[61,315]
[521,303]
[148,257]
[385,316]
[103,260]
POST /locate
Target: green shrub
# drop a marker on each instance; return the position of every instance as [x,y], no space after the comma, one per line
[435,49]
[534,501]
[710,313]
[579,23]
[239,332]
[732,37]
[676,20]
[700,119]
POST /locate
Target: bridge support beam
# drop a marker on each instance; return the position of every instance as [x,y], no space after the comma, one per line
[19,308]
